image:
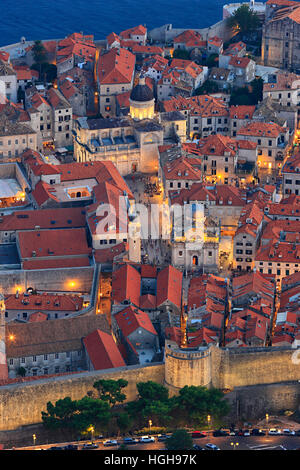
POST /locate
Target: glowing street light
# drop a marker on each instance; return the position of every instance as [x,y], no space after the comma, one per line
[34,438]
[208,419]
[91,429]
[150,424]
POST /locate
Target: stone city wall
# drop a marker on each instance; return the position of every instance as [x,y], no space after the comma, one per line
[48,280]
[22,404]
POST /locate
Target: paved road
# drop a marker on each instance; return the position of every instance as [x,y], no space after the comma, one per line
[245,443]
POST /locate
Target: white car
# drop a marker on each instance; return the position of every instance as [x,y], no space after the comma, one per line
[145,439]
[109,442]
[211,447]
[274,432]
[288,432]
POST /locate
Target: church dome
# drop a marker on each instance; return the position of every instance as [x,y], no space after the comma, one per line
[141,92]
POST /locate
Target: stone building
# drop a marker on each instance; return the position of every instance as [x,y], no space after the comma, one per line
[50,347]
[9,77]
[280,41]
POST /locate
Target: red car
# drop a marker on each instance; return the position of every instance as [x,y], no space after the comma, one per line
[198,434]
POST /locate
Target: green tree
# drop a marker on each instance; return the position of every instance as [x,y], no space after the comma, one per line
[20,95]
[39,52]
[181,54]
[207,88]
[195,403]
[124,421]
[180,440]
[257,86]
[76,414]
[48,72]
[153,403]
[60,414]
[244,20]
[111,390]
[211,61]
[90,411]
[21,371]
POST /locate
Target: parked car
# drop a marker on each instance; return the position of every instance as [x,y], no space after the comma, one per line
[130,440]
[162,437]
[110,442]
[297,432]
[220,433]
[146,439]
[90,446]
[56,448]
[246,433]
[71,447]
[196,447]
[274,432]
[288,432]
[257,432]
[198,434]
[233,432]
[211,447]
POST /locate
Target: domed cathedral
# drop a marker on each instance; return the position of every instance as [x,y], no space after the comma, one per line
[141,101]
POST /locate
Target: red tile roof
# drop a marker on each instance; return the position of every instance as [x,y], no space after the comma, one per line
[241,112]
[240,62]
[130,319]
[37,317]
[103,351]
[44,218]
[169,286]
[181,169]
[135,31]
[202,105]
[25,73]
[262,129]
[190,38]
[53,243]
[116,66]
[126,285]
[45,301]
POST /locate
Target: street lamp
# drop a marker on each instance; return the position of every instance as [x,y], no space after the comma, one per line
[92,429]
[150,424]
[234,444]
[208,419]
[34,438]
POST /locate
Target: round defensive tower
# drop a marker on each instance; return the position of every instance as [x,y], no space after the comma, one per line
[186,366]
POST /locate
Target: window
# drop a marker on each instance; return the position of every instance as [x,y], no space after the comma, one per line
[23,360]
[45,357]
[56,370]
[34,371]
[46,371]
[56,356]
[34,358]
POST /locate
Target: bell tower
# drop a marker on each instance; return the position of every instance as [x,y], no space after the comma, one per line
[3,362]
